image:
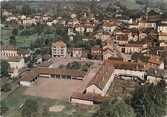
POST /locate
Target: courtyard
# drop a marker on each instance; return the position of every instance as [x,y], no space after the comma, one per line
[53,88]
[60,89]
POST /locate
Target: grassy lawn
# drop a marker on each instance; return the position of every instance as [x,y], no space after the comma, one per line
[71,110]
[132,5]
[22,41]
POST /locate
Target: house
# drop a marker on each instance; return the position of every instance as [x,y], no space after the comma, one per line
[163,44]
[73,15]
[102,35]
[109,27]
[131,48]
[88,99]
[14,61]
[89,27]
[153,16]
[162,36]
[151,24]
[80,28]
[8,50]
[133,25]
[101,82]
[11,18]
[108,53]
[59,49]
[155,51]
[130,70]
[121,39]
[96,52]
[133,36]
[142,35]
[42,72]
[142,23]
[13,72]
[47,64]
[77,52]
[154,75]
[46,57]
[164,18]
[24,52]
[29,21]
[162,28]
[156,61]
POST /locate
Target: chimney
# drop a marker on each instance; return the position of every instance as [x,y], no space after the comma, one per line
[137,67]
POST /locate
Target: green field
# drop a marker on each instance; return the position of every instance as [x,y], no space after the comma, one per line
[17,98]
[132,5]
[22,41]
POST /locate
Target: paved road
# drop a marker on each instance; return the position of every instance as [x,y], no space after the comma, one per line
[95,67]
[118,51]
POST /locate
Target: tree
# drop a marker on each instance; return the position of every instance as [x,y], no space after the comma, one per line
[6,87]
[12,40]
[90,56]
[98,41]
[150,100]
[30,108]
[4,68]
[26,9]
[73,65]
[45,113]
[15,31]
[3,108]
[115,108]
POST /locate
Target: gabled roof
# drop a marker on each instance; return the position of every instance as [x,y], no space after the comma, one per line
[89,97]
[137,66]
[8,47]
[23,51]
[12,58]
[155,60]
[45,63]
[152,12]
[102,76]
[37,71]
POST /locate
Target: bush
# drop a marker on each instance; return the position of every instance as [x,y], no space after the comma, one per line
[3,108]
[30,108]
[6,87]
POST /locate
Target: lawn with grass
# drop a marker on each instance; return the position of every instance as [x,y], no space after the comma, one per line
[16,99]
[132,5]
[22,41]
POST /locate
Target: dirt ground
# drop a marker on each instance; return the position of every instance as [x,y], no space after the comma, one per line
[60,88]
[53,88]
[56,108]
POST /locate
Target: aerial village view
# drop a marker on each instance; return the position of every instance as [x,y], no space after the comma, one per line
[83,58]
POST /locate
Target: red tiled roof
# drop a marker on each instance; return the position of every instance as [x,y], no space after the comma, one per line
[102,76]
[138,66]
[59,43]
[11,58]
[155,60]
[37,71]
[8,47]
[89,97]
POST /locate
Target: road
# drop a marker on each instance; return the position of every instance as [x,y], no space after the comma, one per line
[118,51]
